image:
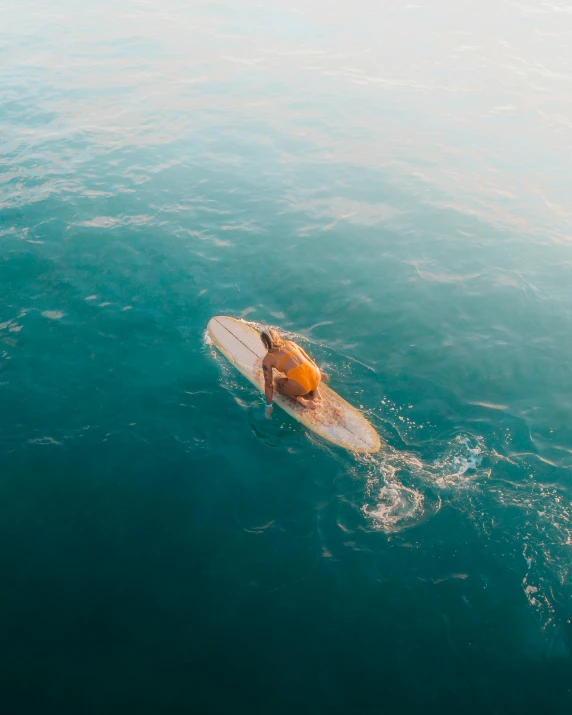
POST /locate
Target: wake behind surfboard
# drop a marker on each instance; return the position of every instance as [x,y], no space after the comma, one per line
[334,419]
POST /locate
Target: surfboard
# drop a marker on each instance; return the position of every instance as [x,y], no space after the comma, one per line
[334,419]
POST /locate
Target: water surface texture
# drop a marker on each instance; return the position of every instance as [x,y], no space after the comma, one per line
[388,183]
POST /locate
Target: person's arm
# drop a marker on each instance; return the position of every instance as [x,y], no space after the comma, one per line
[268,381]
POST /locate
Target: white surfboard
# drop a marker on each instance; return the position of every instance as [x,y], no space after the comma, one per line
[334,419]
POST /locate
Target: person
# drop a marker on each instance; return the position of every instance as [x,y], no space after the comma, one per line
[302,375]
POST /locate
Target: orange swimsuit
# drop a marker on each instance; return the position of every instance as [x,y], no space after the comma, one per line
[304,374]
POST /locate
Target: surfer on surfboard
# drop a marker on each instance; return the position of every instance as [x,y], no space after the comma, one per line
[303,376]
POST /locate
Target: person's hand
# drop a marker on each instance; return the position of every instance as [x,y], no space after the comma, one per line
[325,378]
[268,412]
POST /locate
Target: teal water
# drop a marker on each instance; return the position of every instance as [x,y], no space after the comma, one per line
[390,184]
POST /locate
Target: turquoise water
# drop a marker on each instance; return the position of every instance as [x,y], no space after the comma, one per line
[388,183]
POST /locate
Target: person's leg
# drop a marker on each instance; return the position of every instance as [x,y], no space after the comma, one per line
[293,389]
[315,395]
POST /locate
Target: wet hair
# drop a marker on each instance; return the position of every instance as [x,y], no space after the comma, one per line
[271,339]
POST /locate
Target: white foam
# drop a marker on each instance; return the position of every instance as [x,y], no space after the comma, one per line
[396,507]
[391,505]
[462,465]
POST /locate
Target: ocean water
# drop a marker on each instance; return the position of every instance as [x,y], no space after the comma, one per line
[387,182]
